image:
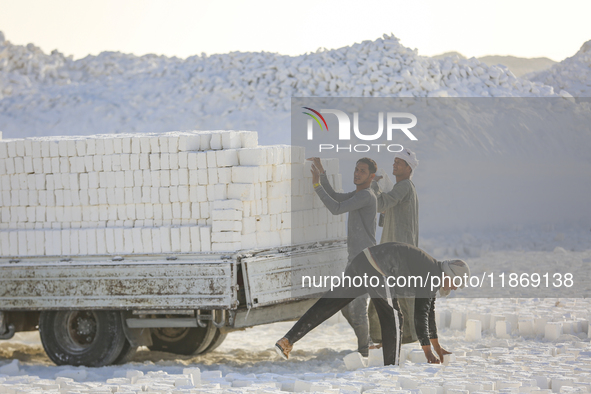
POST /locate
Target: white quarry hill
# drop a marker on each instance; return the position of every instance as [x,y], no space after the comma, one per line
[51,94]
[573,74]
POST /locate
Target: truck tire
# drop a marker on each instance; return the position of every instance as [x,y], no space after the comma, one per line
[89,338]
[182,340]
[217,341]
[126,354]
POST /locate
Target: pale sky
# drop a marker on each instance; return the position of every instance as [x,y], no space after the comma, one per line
[182,28]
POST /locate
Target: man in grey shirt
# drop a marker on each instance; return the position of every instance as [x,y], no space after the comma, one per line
[401,224]
[361,230]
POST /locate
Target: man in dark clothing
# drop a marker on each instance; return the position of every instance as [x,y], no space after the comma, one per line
[394,270]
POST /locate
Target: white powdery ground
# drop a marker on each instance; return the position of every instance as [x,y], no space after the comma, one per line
[572,74]
[513,361]
[44,94]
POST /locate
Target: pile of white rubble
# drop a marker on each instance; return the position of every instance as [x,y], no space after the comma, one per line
[56,95]
[572,75]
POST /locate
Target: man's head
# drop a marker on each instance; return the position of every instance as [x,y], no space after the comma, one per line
[455,273]
[405,162]
[365,171]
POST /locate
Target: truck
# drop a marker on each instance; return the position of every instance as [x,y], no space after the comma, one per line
[97,310]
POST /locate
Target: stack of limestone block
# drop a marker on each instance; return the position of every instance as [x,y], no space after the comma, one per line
[178,192]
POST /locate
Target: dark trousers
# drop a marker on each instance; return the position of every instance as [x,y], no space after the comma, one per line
[391,319]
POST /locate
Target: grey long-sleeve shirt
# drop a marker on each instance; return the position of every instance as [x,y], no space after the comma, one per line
[362,208]
[397,259]
[401,207]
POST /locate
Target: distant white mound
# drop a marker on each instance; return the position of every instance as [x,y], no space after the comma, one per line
[572,75]
[518,65]
[52,94]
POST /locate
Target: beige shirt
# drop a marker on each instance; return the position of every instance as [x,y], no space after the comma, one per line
[401,208]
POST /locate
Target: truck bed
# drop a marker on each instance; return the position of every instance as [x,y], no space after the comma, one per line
[190,281]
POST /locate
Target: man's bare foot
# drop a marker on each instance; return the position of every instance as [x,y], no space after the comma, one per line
[283,348]
[375,346]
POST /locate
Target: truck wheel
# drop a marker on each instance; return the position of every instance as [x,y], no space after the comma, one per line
[89,338]
[126,354]
[182,340]
[217,340]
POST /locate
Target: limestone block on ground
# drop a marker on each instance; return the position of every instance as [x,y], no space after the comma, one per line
[473,330]
[553,330]
[354,361]
[503,329]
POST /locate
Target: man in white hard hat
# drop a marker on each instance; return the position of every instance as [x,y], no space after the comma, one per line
[400,207]
[388,263]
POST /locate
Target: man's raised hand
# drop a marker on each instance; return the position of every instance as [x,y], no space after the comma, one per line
[315,174]
[316,161]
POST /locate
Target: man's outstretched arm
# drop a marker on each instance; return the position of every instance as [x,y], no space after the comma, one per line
[326,184]
[358,200]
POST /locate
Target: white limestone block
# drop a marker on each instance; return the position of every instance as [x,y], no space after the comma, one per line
[417,356]
[354,361]
[175,239]
[252,156]
[128,239]
[458,320]
[210,192]
[183,176]
[226,225]
[503,329]
[165,242]
[195,235]
[276,205]
[205,139]
[3,150]
[226,214]
[249,241]
[115,240]
[183,160]
[241,191]
[553,331]
[176,210]
[493,321]
[250,139]
[225,246]
[225,174]
[211,159]
[215,142]
[526,328]
[225,236]
[201,160]
[13,242]
[30,242]
[473,330]
[228,204]
[137,240]
[147,241]
[268,239]
[375,358]
[154,161]
[166,211]
[513,319]
[126,145]
[212,176]
[220,192]
[245,174]
[205,238]
[231,140]
[183,193]
[188,142]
